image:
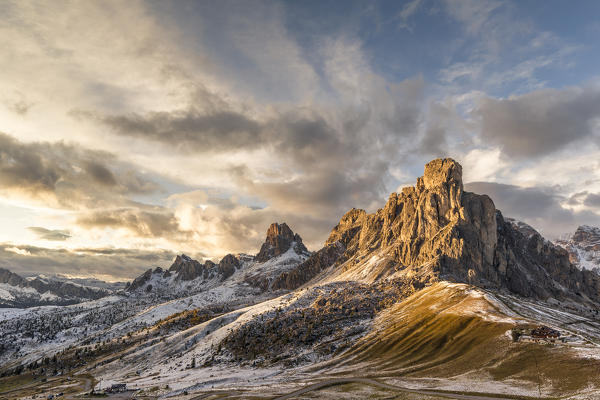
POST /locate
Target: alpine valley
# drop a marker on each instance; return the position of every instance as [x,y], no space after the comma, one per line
[436,295]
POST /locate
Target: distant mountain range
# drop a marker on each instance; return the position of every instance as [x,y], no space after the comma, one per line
[16,291]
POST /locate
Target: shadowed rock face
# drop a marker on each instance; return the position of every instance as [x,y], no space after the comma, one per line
[228,265]
[187,268]
[11,278]
[436,231]
[279,240]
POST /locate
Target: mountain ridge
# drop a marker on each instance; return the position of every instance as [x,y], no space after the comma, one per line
[16,291]
[436,231]
[281,248]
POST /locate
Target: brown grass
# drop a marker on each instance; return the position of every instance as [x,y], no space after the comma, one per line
[427,335]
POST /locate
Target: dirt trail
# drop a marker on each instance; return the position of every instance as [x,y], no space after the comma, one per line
[372,382]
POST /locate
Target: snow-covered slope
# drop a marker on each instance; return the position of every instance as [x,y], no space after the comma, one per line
[154,296]
[282,251]
[584,247]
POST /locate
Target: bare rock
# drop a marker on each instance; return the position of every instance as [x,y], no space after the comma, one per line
[435,231]
[279,240]
[186,268]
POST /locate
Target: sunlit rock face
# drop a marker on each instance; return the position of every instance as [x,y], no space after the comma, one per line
[279,239]
[436,231]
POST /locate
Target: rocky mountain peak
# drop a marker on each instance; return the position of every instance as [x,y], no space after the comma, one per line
[436,231]
[279,240]
[584,247]
[276,231]
[442,171]
[587,236]
[186,268]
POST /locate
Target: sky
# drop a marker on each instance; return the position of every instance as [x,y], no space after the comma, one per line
[133,131]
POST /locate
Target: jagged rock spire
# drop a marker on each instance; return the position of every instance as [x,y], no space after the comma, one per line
[279,239]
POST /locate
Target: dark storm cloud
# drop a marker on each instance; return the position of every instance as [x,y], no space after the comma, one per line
[156,222]
[539,207]
[50,234]
[102,262]
[540,122]
[191,130]
[73,175]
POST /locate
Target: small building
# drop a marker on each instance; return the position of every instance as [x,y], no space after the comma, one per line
[544,332]
[117,388]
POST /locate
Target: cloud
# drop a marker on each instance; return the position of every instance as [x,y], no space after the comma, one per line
[103,263]
[17,103]
[50,234]
[472,13]
[482,164]
[222,224]
[320,159]
[191,130]
[541,207]
[592,200]
[155,222]
[502,49]
[540,122]
[66,175]
[407,11]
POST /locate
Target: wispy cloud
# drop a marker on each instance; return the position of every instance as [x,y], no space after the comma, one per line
[50,234]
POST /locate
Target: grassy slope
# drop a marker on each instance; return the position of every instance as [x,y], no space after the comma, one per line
[447,331]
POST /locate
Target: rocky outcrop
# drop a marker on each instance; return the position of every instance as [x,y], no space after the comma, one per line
[587,237]
[436,231]
[279,240]
[228,265]
[187,268]
[185,273]
[584,248]
[282,250]
[139,281]
[11,278]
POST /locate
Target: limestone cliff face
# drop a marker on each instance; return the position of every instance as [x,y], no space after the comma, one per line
[437,231]
[428,231]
